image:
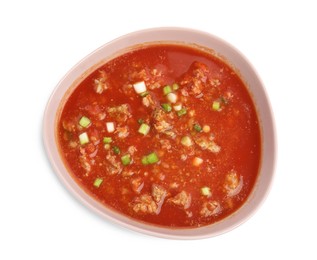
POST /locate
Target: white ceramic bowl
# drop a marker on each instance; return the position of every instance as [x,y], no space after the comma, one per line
[249,76]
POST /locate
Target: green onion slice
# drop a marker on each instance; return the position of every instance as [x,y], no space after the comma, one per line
[84,122]
[144,129]
[167,89]
[150,159]
[126,159]
[116,149]
[197,127]
[166,107]
[175,86]
[216,105]
[182,112]
[107,140]
[98,182]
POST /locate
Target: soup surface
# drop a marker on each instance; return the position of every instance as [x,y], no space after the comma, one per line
[166,134]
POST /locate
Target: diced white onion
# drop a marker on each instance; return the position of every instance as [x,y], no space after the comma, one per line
[172,97]
[177,107]
[110,127]
[139,87]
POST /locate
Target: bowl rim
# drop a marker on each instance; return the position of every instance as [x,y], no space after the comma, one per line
[68,182]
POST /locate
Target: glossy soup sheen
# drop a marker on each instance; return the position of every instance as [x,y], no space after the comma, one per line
[184,152]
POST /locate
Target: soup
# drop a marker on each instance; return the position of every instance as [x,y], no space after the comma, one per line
[165,134]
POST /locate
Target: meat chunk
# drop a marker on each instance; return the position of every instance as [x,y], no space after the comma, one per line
[158,193]
[123,131]
[195,79]
[127,173]
[145,204]
[112,165]
[148,101]
[163,123]
[210,208]
[101,84]
[165,144]
[70,125]
[205,143]
[137,184]
[120,113]
[132,149]
[233,184]
[93,109]
[85,163]
[182,199]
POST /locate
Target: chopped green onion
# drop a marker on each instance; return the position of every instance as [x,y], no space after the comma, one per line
[107,140]
[84,122]
[175,86]
[150,158]
[182,112]
[216,105]
[144,160]
[167,107]
[126,159]
[186,141]
[144,94]
[167,89]
[205,191]
[98,182]
[197,127]
[116,149]
[140,121]
[144,129]
[83,138]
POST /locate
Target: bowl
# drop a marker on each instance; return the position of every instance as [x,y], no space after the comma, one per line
[236,60]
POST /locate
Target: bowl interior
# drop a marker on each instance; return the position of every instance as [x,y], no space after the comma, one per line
[231,56]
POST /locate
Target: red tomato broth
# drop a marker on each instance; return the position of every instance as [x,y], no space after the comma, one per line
[234,129]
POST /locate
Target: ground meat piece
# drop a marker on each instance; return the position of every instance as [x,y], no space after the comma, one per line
[182,199]
[204,144]
[162,122]
[93,109]
[195,79]
[132,149]
[85,163]
[69,125]
[101,84]
[145,204]
[210,208]
[127,173]
[158,193]
[165,144]
[139,75]
[233,184]
[120,113]
[112,165]
[123,131]
[137,184]
[148,101]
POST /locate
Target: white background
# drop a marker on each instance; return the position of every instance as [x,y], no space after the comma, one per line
[40,41]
